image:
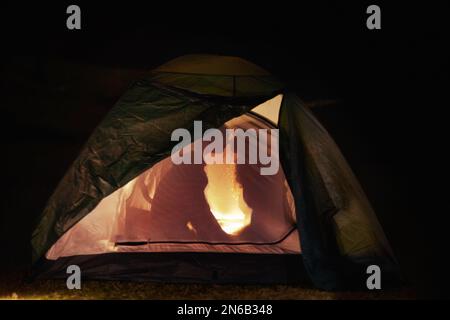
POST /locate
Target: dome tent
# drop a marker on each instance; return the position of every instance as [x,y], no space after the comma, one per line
[124,211]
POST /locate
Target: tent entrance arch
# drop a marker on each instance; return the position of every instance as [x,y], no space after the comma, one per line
[166,209]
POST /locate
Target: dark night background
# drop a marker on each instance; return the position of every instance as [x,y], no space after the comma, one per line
[380,93]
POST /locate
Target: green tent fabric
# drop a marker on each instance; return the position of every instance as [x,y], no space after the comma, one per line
[213,75]
[338,229]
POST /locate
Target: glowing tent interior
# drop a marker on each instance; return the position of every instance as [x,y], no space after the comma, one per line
[124,210]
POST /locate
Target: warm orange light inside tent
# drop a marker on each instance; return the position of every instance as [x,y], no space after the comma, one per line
[225,198]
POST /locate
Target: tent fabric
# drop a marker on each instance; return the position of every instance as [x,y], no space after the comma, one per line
[164,210]
[339,233]
[206,64]
[216,75]
[270,109]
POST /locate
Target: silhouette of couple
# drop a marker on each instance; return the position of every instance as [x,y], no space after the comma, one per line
[167,203]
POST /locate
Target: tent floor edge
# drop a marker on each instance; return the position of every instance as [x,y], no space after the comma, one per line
[183,267]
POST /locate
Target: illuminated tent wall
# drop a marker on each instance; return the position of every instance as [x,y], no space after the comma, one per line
[125,211]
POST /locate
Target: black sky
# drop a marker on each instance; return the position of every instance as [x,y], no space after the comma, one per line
[387,87]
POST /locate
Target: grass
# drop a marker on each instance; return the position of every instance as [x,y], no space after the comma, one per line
[12,286]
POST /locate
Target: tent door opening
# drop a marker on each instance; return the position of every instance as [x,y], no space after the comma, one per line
[192,208]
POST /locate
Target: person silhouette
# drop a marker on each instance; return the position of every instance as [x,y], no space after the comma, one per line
[172,206]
